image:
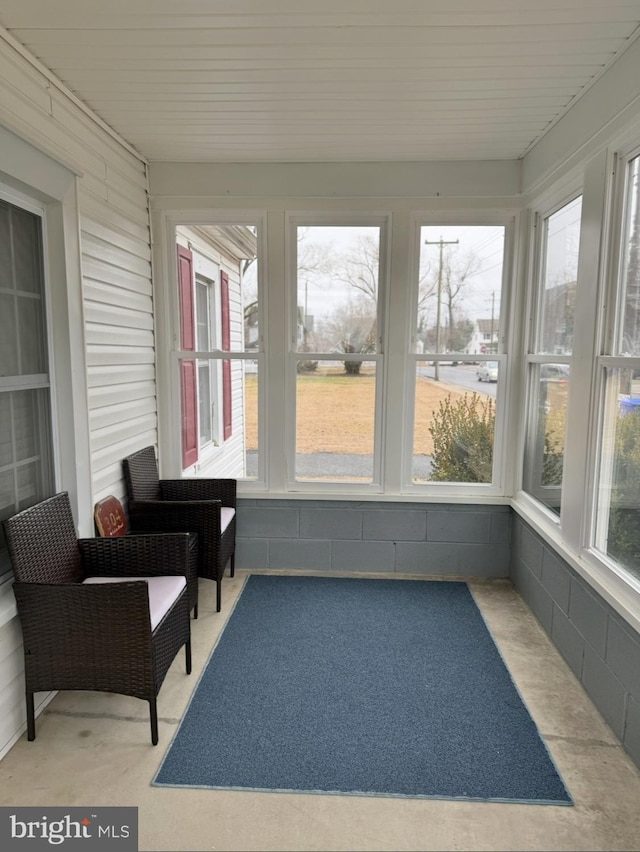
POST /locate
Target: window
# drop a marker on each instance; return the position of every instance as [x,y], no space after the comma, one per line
[219,348]
[26,458]
[550,349]
[457,357]
[336,351]
[207,370]
[343,414]
[617,533]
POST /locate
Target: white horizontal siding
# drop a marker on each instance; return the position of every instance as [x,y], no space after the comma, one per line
[117,298]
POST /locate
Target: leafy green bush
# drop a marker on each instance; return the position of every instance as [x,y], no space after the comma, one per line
[462,432]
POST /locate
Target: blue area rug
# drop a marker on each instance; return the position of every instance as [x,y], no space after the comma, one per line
[362,687]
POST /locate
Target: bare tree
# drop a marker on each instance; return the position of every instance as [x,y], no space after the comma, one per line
[358,268]
[351,328]
[457,269]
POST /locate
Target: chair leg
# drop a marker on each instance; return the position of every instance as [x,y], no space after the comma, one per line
[187,654]
[232,570]
[195,611]
[218,594]
[31,718]
[153,717]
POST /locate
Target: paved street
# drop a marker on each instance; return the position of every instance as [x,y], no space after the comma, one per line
[463,375]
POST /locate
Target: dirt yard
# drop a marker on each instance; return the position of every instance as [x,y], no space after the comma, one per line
[335,412]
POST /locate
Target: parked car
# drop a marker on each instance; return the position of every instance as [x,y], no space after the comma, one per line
[559,372]
[487,371]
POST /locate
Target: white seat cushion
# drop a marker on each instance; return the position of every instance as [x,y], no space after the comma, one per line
[163,592]
[226,516]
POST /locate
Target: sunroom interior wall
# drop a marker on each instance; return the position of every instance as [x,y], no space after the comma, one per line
[116,262]
[111,327]
[601,648]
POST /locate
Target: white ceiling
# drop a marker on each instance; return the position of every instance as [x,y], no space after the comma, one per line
[337,80]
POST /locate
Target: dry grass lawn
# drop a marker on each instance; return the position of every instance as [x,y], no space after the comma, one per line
[335,412]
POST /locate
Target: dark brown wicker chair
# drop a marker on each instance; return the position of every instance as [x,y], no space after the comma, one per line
[85,624]
[110,520]
[204,506]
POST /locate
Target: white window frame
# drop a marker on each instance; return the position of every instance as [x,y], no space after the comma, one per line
[40,381]
[610,359]
[293,221]
[541,212]
[594,178]
[167,313]
[441,491]
[30,177]
[207,275]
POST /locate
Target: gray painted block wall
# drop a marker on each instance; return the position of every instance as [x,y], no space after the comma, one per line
[599,647]
[358,536]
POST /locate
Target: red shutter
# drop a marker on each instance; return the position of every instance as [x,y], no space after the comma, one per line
[188,378]
[226,364]
[189,413]
[185,285]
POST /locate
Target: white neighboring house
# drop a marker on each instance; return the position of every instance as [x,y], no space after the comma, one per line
[484,339]
[211,259]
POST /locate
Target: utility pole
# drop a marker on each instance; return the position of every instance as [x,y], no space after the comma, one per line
[491,343]
[493,301]
[440,243]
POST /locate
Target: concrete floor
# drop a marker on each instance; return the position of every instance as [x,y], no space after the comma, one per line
[94,749]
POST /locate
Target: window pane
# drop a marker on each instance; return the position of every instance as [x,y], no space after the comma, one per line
[203,332]
[559,276]
[205,403]
[251,418]
[618,511]
[335,414]
[230,415]
[337,288]
[6,271]
[26,453]
[460,279]
[27,250]
[218,290]
[8,336]
[629,343]
[454,424]
[337,293]
[26,465]
[544,451]
[31,334]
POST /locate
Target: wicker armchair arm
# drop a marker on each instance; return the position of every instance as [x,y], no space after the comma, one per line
[200,489]
[140,555]
[76,619]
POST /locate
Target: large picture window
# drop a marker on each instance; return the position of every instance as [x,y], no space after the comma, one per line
[337,352]
[219,352]
[458,353]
